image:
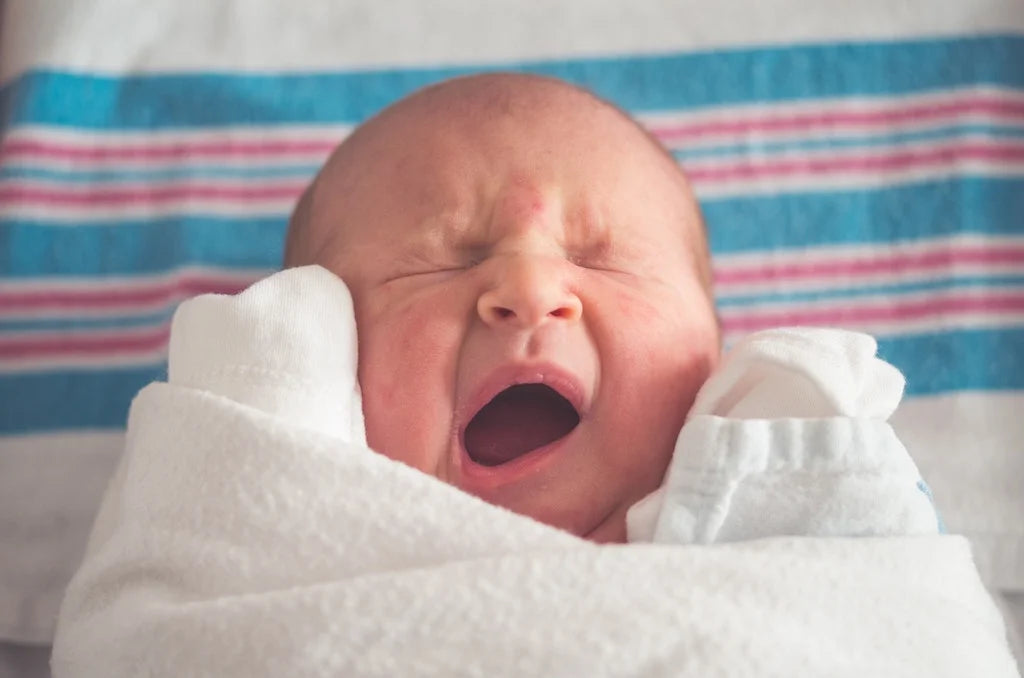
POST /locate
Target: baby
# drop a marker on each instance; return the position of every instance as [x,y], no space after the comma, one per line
[532,291]
[529,280]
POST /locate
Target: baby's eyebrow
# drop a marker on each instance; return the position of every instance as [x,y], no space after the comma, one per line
[588,234]
[437,233]
[591,246]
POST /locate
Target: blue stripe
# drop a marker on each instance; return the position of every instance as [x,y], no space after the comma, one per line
[932,363]
[904,213]
[958,360]
[951,282]
[176,173]
[77,323]
[638,83]
[80,399]
[29,249]
[892,141]
[738,224]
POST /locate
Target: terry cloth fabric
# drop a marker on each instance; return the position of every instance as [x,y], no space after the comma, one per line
[235,541]
[789,437]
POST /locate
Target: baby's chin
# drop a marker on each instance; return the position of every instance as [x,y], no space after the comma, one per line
[611,531]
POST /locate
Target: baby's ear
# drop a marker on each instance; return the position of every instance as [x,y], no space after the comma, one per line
[286,345]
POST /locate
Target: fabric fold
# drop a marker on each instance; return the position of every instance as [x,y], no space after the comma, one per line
[234,544]
[239,540]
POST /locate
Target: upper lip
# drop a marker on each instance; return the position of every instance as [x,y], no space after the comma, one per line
[558,378]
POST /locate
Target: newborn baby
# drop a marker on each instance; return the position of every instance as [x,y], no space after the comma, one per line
[525,273]
[532,292]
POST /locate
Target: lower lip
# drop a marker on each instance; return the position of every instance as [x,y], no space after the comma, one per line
[482,477]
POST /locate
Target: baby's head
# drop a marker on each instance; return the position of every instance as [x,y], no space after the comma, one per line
[508,229]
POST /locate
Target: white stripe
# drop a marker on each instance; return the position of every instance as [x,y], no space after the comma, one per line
[102,216]
[119,36]
[811,284]
[849,103]
[237,133]
[135,282]
[906,328]
[808,181]
[88,190]
[824,254]
[757,157]
[866,302]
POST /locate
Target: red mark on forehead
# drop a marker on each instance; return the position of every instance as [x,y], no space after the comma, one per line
[522,205]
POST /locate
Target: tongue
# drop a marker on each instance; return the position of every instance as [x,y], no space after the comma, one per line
[517,420]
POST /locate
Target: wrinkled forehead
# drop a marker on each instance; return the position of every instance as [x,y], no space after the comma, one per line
[427,155]
[444,159]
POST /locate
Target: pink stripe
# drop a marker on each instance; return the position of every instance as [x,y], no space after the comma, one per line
[768,122]
[897,160]
[105,344]
[155,151]
[147,195]
[896,312]
[156,295]
[878,263]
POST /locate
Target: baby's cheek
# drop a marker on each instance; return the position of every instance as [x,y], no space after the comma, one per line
[661,325]
[407,359]
[637,311]
[659,351]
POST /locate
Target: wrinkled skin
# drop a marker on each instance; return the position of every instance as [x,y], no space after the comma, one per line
[502,221]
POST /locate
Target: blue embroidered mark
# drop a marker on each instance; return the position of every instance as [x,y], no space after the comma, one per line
[923,486]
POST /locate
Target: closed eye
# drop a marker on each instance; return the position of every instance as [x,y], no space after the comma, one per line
[429,272]
[592,265]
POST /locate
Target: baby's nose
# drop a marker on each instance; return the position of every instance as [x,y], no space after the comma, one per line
[529,291]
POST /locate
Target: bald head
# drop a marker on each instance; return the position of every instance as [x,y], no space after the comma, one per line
[475,98]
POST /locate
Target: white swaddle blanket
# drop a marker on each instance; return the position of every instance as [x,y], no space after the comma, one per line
[249,532]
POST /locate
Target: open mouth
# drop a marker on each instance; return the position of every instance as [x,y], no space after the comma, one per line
[520,419]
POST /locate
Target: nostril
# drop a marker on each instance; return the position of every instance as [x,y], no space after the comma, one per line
[504,313]
[570,310]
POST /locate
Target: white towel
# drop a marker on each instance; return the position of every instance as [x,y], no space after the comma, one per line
[789,437]
[244,537]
